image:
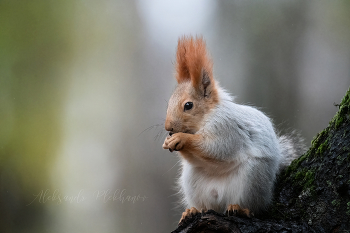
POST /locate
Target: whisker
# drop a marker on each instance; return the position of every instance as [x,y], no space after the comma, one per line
[172,167]
[161,134]
[167,103]
[158,135]
[149,128]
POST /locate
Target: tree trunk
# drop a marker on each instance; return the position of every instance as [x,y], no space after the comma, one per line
[311,195]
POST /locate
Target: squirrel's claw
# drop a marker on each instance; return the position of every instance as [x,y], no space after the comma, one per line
[174,142]
[236,210]
[188,213]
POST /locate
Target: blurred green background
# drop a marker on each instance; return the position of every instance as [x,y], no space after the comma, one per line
[83,91]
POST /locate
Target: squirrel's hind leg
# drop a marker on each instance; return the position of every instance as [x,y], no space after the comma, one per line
[236,210]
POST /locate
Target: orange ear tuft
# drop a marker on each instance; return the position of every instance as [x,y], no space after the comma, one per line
[192,60]
[182,72]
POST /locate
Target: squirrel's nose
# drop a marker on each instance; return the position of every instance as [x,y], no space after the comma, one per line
[168,126]
[169,129]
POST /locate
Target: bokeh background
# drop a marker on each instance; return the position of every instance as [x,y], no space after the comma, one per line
[84,85]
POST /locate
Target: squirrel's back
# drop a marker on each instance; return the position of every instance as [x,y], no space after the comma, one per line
[252,127]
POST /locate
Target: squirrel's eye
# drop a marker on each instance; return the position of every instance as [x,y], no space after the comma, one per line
[188,106]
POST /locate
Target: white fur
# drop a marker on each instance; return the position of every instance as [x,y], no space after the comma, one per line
[245,139]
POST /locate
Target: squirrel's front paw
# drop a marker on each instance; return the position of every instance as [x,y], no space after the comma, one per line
[189,213]
[175,142]
[166,142]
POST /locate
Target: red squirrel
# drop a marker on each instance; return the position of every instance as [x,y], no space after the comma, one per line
[230,153]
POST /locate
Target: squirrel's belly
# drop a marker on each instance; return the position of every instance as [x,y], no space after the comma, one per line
[211,192]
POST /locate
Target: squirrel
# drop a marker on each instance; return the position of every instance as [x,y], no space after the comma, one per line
[230,153]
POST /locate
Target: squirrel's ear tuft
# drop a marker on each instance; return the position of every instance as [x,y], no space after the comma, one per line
[182,72]
[193,62]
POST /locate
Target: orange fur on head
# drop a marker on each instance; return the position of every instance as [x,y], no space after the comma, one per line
[192,60]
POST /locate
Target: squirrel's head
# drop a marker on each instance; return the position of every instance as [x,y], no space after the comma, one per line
[196,93]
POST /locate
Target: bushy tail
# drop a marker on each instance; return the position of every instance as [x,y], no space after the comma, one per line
[292,147]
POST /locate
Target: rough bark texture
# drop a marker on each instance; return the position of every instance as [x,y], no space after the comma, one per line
[311,195]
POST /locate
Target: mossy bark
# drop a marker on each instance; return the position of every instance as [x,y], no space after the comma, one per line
[311,195]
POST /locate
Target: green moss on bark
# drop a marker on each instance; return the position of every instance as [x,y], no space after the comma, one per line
[315,189]
[344,111]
